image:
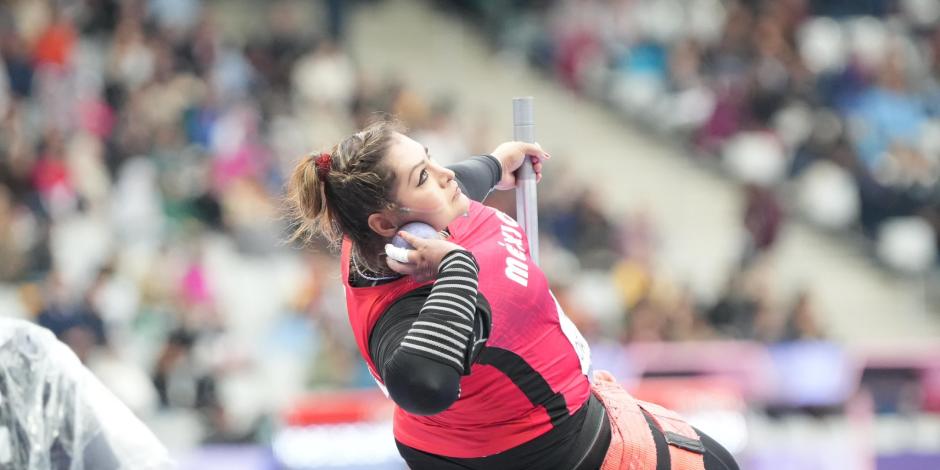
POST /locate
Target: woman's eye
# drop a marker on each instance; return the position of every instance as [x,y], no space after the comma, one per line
[423,177]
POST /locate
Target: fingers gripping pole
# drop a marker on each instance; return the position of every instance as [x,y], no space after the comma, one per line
[523,129]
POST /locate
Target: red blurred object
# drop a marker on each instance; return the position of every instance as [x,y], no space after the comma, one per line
[931,390]
[339,407]
[55,45]
[690,394]
[51,173]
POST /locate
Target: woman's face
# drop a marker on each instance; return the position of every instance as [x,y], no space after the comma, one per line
[424,191]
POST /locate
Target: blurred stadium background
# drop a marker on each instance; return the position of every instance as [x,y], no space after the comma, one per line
[742,214]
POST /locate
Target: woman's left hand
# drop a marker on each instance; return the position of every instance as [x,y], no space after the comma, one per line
[511,155]
[424,260]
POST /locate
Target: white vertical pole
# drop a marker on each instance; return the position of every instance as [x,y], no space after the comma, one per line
[523,129]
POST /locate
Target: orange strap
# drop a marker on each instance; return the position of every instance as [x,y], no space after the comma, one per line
[631,442]
[685,448]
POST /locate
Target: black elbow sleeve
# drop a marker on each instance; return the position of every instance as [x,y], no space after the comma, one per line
[421,386]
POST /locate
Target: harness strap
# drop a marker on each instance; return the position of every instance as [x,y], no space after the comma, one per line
[686,451]
[596,429]
[645,436]
[663,462]
[631,439]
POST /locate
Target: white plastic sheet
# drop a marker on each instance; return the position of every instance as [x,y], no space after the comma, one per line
[54,414]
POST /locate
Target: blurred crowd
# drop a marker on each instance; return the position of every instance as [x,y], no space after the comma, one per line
[143,152]
[603,268]
[829,107]
[141,170]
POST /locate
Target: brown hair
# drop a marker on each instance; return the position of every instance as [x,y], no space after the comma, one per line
[338,202]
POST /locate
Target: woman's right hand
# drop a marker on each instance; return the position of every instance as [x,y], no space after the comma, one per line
[424,260]
[512,155]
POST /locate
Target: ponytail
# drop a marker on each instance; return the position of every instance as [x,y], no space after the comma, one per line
[333,194]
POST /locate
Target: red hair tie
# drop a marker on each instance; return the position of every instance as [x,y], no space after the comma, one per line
[323,162]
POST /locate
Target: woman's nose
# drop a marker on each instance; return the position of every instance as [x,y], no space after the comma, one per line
[446,174]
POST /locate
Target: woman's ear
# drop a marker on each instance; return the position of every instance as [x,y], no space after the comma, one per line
[382,224]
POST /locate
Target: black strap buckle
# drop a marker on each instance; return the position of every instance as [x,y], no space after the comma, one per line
[682,442]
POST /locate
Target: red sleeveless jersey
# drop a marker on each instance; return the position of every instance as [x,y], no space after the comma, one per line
[532,371]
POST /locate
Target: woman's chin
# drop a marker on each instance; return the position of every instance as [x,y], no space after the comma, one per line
[463,204]
[460,209]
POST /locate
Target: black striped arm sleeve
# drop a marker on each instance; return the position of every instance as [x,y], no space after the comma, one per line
[445,323]
[422,347]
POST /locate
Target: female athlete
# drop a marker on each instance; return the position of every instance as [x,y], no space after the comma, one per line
[462,332]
